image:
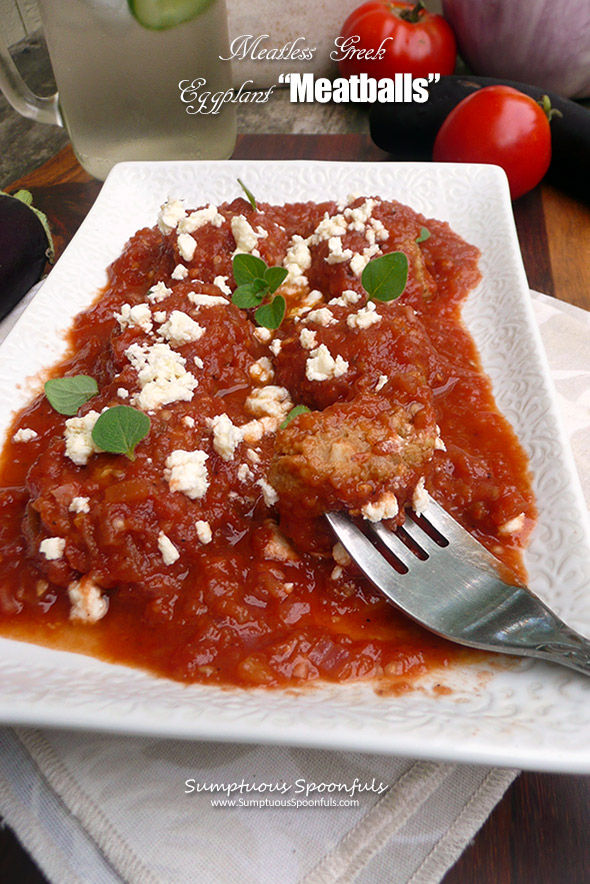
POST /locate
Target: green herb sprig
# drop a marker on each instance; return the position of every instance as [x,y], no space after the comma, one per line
[385,278]
[249,195]
[424,235]
[256,281]
[66,395]
[295,411]
[119,429]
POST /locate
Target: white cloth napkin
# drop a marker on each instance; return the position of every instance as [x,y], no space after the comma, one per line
[109,809]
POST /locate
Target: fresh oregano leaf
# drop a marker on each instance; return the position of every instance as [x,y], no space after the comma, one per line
[274,277]
[66,395]
[385,278]
[247,268]
[271,315]
[249,294]
[296,410]
[119,429]
[249,195]
[424,235]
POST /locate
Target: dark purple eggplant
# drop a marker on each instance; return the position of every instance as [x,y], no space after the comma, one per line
[25,247]
[407,131]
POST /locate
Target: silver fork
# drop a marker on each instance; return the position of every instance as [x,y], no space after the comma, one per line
[455,587]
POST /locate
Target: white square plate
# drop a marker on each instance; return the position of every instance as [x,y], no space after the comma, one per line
[527,714]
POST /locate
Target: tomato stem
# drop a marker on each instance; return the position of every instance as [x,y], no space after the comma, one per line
[413,15]
[550,112]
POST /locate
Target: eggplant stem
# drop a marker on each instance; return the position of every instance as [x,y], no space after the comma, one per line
[26,197]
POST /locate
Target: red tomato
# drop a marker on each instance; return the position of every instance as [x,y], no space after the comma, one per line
[386,37]
[500,125]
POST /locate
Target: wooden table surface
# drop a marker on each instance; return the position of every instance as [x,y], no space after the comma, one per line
[539,832]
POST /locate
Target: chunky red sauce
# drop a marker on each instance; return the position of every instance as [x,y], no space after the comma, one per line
[229,596]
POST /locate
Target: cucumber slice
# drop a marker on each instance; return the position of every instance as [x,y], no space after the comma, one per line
[159,15]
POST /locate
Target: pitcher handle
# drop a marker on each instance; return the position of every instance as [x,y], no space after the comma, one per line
[23,100]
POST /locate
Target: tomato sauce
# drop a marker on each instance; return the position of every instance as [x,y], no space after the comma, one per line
[248,596]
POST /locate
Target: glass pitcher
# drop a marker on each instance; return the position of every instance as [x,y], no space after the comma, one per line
[118,65]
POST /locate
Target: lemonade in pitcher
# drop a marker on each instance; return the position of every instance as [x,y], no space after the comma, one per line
[118,65]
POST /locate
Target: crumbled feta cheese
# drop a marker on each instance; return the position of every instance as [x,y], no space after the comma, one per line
[87,601]
[186,472]
[351,297]
[169,552]
[381,382]
[158,292]
[204,532]
[179,272]
[199,218]
[323,317]
[52,548]
[328,227]
[297,261]
[321,365]
[187,245]
[122,393]
[180,329]
[198,362]
[188,421]
[245,474]
[268,492]
[420,498]
[275,346]
[358,263]
[336,255]
[261,371]
[337,573]
[200,299]
[307,302]
[162,376]
[226,436]
[253,455]
[386,507]
[263,334]
[25,434]
[159,316]
[221,283]
[312,298]
[254,430]
[379,229]
[308,339]
[139,316]
[357,218]
[244,235]
[439,445]
[171,212]
[364,317]
[513,525]
[79,505]
[78,437]
[346,299]
[340,555]
[270,401]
